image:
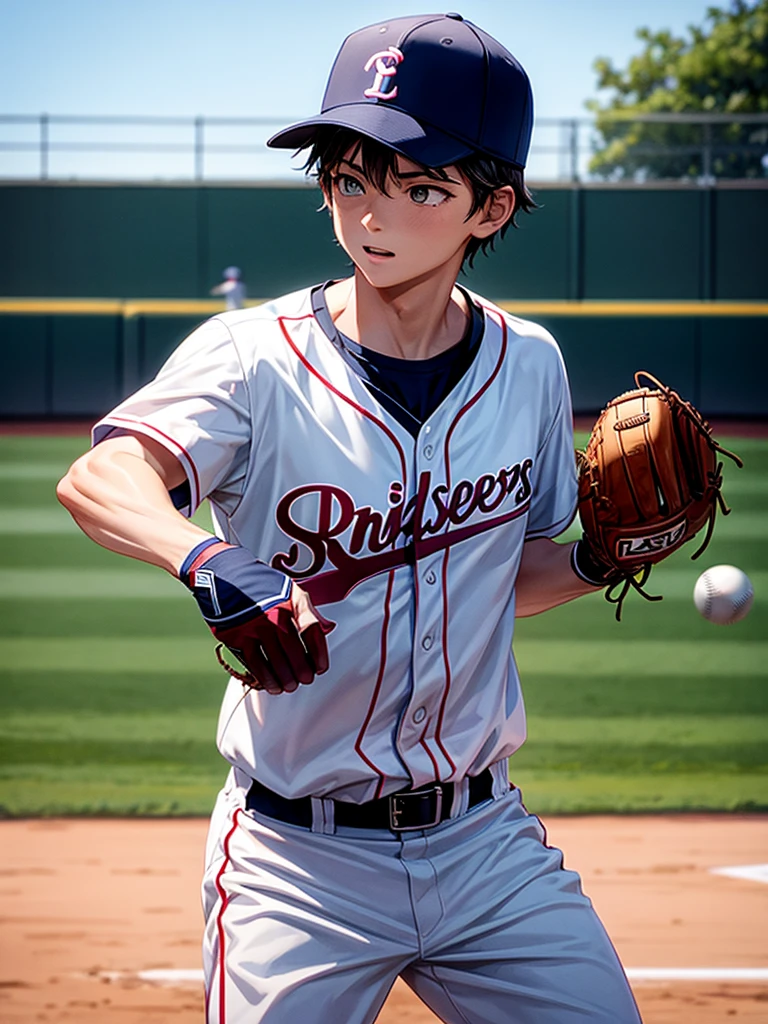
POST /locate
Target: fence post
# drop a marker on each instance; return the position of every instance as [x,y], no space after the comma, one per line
[576,243]
[574,149]
[199,148]
[44,120]
[706,160]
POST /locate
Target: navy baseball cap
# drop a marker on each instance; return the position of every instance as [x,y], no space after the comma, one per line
[435,88]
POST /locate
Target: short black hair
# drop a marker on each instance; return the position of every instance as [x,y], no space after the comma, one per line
[483,174]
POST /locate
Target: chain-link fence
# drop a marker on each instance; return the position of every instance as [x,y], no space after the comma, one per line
[696,148]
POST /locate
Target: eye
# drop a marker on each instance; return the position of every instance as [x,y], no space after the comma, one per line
[348,186]
[428,195]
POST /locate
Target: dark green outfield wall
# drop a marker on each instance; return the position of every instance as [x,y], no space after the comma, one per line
[82,365]
[145,242]
[122,241]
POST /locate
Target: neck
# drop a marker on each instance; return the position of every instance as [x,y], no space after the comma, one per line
[415,320]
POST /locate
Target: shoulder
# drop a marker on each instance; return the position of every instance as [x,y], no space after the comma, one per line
[515,325]
[525,339]
[288,309]
[263,330]
[240,336]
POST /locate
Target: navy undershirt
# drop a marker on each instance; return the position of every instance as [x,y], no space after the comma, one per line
[409,389]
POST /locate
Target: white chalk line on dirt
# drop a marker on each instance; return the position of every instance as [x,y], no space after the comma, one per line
[731,974]
[183,976]
[750,872]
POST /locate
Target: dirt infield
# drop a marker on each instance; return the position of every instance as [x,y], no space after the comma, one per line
[86,905]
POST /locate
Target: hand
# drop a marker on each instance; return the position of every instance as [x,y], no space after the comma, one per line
[266,621]
[282,647]
[649,481]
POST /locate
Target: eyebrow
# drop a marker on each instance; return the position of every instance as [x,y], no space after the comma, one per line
[355,167]
[423,174]
[404,174]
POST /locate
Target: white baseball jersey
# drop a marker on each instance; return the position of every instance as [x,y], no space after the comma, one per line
[411,545]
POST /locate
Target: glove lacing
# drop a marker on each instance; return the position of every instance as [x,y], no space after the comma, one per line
[627,583]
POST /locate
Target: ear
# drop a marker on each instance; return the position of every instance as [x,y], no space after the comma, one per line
[497,210]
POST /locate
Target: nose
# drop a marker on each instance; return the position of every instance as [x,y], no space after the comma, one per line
[369,222]
[372,218]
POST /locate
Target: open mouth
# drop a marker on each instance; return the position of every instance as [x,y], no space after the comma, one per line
[372,250]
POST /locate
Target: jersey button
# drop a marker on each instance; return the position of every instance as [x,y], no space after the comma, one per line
[419,715]
[428,451]
[430,577]
[426,643]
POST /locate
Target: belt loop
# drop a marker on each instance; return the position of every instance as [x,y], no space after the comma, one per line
[323,816]
[500,772]
[460,803]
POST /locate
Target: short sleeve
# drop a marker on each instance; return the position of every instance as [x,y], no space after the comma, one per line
[553,501]
[198,408]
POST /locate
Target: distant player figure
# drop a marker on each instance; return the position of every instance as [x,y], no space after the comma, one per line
[388,459]
[232,288]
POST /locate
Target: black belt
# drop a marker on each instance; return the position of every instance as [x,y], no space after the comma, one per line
[405,811]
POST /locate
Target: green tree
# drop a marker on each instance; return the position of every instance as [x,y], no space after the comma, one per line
[722,68]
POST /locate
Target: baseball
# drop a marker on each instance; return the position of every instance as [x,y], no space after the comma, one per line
[723,594]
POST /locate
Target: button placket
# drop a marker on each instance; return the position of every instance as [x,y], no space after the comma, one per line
[427,674]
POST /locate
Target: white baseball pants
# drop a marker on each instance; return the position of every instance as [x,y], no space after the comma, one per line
[477,915]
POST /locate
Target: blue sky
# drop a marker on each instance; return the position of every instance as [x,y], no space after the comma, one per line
[256,59]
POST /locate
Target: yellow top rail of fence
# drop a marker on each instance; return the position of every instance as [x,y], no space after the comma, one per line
[523,308]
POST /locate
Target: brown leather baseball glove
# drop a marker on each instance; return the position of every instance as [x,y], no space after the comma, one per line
[649,480]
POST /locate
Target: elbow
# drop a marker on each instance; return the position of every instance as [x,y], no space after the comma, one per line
[65,491]
[69,490]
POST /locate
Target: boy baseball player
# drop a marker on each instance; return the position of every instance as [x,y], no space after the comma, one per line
[387,459]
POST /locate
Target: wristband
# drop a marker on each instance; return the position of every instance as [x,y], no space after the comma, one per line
[230,585]
[193,559]
[590,568]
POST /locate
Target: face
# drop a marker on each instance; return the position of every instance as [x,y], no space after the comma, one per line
[419,229]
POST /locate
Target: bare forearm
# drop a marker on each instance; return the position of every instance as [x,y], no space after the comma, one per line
[546,579]
[120,500]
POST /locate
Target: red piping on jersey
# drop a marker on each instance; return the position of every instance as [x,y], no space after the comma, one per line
[376,690]
[224,898]
[446,663]
[340,394]
[446,658]
[432,757]
[385,624]
[171,442]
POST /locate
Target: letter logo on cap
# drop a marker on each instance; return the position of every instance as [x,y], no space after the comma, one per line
[386,62]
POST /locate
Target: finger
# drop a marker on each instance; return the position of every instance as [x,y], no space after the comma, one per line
[302,666]
[283,629]
[261,670]
[245,643]
[266,639]
[313,638]
[305,613]
[288,671]
[313,628]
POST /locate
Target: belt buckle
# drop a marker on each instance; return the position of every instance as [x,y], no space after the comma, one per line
[398,808]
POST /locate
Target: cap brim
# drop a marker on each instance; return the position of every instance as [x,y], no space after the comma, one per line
[384,124]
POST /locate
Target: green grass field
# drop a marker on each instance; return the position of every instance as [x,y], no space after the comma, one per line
[110,690]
